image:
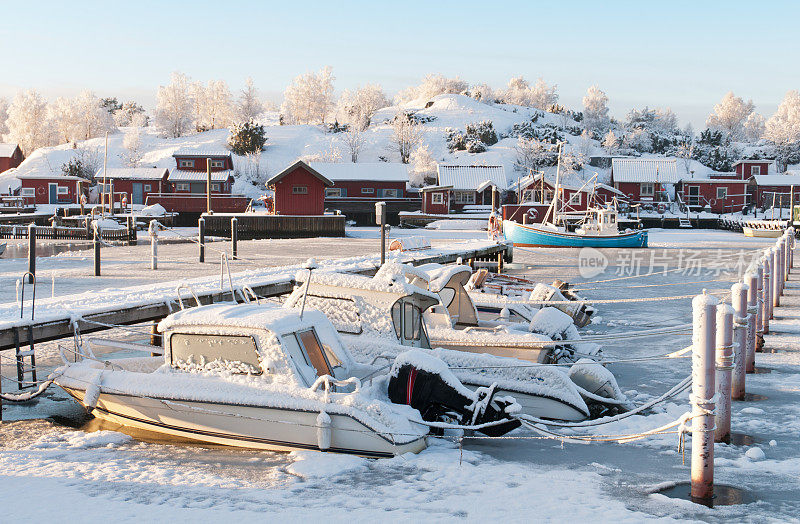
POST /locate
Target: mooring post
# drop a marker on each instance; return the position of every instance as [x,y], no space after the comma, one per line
[724,366]
[779,254]
[766,295]
[751,279]
[201,237]
[380,219]
[96,242]
[739,302]
[152,229]
[761,274]
[31,252]
[234,237]
[702,398]
[775,280]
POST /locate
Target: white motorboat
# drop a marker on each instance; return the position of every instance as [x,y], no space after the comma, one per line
[261,376]
[379,317]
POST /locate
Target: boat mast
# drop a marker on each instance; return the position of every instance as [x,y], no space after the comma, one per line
[554,203]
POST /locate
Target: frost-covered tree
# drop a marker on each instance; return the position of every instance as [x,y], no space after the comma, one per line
[783,130]
[354,140]
[355,108]
[80,118]
[482,93]
[611,143]
[27,122]
[213,105]
[754,127]
[249,106]
[534,154]
[133,149]
[131,114]
[406,135]
[174,107]
[638,139]
[309,98]
[730,115]
[520,92]
[423,167]
[3,117]
[595,110]
[431,86]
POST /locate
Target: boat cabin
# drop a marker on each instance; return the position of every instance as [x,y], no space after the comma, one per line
[600,221]
[253,339]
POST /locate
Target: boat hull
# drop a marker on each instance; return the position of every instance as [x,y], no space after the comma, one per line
[254,427]
[527,235]
[761,233]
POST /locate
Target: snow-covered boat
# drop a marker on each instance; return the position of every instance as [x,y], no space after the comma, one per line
[379,317]
[763,228]
[599,231]
[261,376]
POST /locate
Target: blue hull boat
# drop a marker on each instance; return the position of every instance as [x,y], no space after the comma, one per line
[535,235]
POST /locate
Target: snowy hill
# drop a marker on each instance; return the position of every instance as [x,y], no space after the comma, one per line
[287,143]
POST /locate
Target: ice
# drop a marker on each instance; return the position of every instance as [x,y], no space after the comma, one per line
[755,454]
[315,465]
[80,440]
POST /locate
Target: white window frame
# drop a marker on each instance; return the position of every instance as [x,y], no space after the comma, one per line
[367,190]
[575,199]
[215,186]
[299,190]
[217,163]
[29,191]
[724,191]
[437,198]
[647,189]
[183,186]
[185,163]
[755,170]
[333,192]
[548,196]
[464,197]
[146,187]
[391,193]
[63,190]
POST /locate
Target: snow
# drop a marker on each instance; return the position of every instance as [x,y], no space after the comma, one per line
[156,210]
[755,454]
[459,224]
[372,171]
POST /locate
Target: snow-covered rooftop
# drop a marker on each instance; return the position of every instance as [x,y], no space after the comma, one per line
[47,176]
[661,170]
[376,171]
[134,173]
[198,176]
[253,316]
[472,177]
[790,178]
[6,150]
[714,180]
[187,151]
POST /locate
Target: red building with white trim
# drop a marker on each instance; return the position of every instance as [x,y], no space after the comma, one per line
[717,194]
[136,183]
[778,189]
[10,156]
[50,189]
[745,169]
[645,179]
[299,190]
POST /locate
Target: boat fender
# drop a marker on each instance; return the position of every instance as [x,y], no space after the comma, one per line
[324,431]
[92,393]
[505,314]
[596,379]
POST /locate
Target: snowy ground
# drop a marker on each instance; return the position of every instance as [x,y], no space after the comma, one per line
[52,449]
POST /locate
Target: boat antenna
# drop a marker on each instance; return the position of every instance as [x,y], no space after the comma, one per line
[310,265]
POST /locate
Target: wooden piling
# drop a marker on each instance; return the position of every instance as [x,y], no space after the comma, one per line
[703,342]
[96,242]
[724,365]
[153,230]
[740,325]
[751,279]
[31,252]
[761,273]
[775,280]
[234,238]
[767,295]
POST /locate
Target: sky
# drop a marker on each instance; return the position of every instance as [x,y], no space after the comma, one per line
[678,54]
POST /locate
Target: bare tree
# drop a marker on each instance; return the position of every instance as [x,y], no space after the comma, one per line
[423,167]
[309,98]
[354,139]
[132,142]
[249,106]
[355,108]
[174,107]
[27,122]
[406,135]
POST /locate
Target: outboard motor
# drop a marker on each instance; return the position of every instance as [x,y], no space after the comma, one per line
[438,398]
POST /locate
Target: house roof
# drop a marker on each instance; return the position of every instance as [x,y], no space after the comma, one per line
[7,150]
[134,173]
[178,175]
[40,176]
[298,164]
[373,171]
[186,151]
[753,161]
[472,177]
[713,181]
[790,178]
[661,170]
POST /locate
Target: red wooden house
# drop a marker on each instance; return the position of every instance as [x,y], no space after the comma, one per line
[50,189]
[768,189]
[197,159]
[10,156]
[716,193]
[645,179]
[471,185]
[136,183]
[745,169]
[299,190]
[436,200]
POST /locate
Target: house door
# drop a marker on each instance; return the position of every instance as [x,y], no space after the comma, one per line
[694,196]
[53,194]
[138,195]
[199,187]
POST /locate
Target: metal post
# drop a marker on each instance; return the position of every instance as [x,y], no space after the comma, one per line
[208,186]
[380,219]
[96,250]
[724,365]
[234,237]
[739,302]
[201,236]
[153,230]
[703,339]
[751,279]
[31,252]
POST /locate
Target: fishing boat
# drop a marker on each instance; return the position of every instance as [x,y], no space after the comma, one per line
[763,228]
[598,226]
[266,377]
[427,307]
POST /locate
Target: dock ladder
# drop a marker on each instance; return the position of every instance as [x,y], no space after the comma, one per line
[30,352]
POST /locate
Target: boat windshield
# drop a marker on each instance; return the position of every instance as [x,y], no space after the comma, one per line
[237,353]
[409,325]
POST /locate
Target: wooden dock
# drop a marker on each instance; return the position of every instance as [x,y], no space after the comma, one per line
[159,305]
[252,226]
